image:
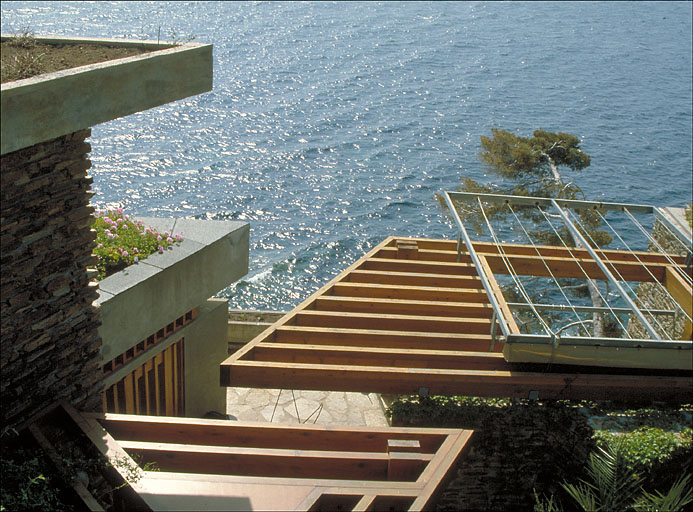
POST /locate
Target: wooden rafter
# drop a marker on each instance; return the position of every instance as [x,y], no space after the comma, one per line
[399,320]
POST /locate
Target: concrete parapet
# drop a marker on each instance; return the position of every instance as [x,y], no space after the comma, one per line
[148,295]
[41,108]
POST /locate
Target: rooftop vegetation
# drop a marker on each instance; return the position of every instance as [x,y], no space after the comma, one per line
[122,241]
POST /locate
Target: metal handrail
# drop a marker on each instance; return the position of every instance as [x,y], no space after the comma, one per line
[656,340]
[477,263]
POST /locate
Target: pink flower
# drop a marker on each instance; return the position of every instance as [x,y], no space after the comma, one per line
[169,240]
[99,246]
[147,230]
[107,232]
[135,250]
[115,236]
[161,250]
[125,226]
[125,254]
[179,238]
[158,238]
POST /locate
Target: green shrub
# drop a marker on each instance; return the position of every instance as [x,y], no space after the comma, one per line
[660,455]
[122,241]
[27,481]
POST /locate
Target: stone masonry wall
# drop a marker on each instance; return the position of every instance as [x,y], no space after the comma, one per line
[652,296]
[516,449]
[49,329]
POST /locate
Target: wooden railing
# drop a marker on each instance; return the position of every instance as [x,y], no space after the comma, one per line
[155,388]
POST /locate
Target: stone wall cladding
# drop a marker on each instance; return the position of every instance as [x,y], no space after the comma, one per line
[49,328]
[515,450]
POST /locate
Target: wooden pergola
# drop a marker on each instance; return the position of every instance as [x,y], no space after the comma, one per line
[165,463]
[412,316]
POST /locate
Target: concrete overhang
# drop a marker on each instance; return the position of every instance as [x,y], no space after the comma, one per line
[47,106]
[154,292]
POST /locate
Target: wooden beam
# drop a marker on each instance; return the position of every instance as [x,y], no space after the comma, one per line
[448,256]
[511,383]
[264,435]
[426,293]
[381,339]
[401,306]
[382,322]
[388,357]
[413,279]
[682,293]
[550,250]
[418,266]
[565,267]
[498,294]
[267,462]
[365,504]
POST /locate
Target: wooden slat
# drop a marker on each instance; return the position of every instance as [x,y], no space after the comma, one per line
[169,379]
[498,294]
[549,250]
[137,375]
[129,383]
[265,435]
[418,266]
[365,504]
[682,293]
[180,350]
[427,293]
[381,339]
[413,279]
[174,378]
[266,462]
[511,383]
[409,358]
[449,256]
[157,386]
[392,322]
[115,399]
[400,306]
[148,368]
[569,268]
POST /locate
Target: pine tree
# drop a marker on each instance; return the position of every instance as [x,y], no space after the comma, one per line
[536,166]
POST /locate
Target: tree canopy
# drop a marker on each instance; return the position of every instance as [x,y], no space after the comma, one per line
[536,166]
[534,162]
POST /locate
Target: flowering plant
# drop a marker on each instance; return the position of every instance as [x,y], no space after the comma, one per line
[122,241]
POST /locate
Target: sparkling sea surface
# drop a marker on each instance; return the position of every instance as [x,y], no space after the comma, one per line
[332,125]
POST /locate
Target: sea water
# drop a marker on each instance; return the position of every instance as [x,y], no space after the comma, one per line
[332,125]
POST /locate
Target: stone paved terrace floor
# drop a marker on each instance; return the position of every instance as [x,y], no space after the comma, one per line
[338,408]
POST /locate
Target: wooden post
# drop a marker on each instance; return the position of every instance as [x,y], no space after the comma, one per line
[404,460]
[407,250]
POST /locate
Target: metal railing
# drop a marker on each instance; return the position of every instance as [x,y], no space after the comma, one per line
[558,206]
